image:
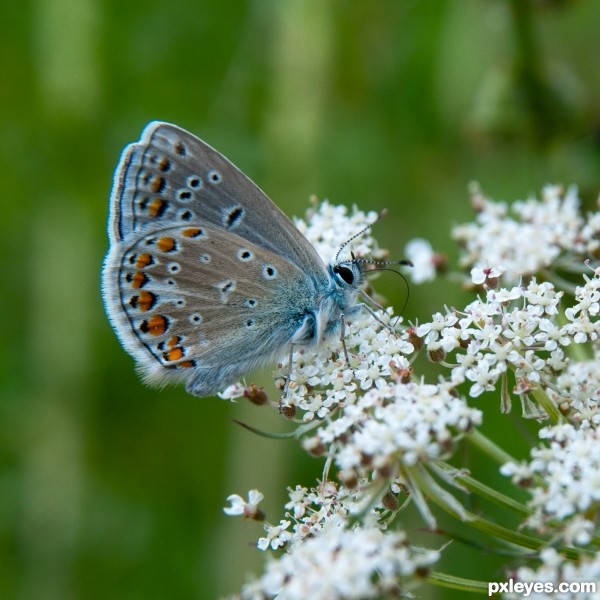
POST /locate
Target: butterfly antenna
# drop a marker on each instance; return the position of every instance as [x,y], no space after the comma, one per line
[382,265]
[399,262]
[380,216]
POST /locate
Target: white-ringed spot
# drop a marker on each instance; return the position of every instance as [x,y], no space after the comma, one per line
[269,272]
[214,177]
[195,318]
[245,255]
[194,182]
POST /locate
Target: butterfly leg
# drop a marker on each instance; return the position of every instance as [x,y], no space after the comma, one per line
[343,338]
[286,387]
[379,307]
[374,315]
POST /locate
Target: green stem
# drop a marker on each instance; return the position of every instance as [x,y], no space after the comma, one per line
[518,539]
[490,448]
[457,583]
[485,491]
[559,282]
[500,532]
[545,402]
[462,514]
[578,352]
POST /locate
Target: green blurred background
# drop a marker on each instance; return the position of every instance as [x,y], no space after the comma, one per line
[111,490]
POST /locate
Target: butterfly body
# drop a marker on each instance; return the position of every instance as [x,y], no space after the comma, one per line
[206,279]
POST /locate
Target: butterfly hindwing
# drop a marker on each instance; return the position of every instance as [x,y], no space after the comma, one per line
[201,304]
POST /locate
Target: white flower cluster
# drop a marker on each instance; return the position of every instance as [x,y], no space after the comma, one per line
[569,466]
[359,563]
[327,558]
[330,226]
[555,570]
[531,241]
[321,382]
[577,392]
[394,427]
[512,328]
[309,512]
[384,429]
[583,315]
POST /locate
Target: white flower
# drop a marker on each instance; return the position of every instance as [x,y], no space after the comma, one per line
[276,537]
[330,226]
[420,253]
[404,423]
[579,531]
[239,506]
[480,275]
[233,391]
[483,376]
[579,387]
[340,564]
[569,465]
[523,245]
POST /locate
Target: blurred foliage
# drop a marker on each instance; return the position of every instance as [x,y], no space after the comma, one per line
[112,490]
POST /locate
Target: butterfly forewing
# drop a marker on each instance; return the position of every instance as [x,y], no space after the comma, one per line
[172,176]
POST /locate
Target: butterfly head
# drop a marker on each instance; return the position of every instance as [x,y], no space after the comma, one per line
[348,274]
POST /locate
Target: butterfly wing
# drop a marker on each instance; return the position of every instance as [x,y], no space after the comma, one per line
[205,279]
[171,176]
[202,305]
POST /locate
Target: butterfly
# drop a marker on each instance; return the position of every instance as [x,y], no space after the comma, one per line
[206,279]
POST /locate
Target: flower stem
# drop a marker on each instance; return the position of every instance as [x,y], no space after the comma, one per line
[485,491]
[457,583]
[490,448]
[547,404]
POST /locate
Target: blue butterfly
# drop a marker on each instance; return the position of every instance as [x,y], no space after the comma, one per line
[206,279]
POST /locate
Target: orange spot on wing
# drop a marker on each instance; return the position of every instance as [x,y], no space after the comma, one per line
[138,280]
[156,207]
[156,325]
[192,232]
[164,164]
[146,301]
[158,184]
[174,354]
[166,244]
[187,364]
[143,260]
[174,341]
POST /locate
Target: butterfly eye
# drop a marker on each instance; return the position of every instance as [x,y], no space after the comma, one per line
[346,274]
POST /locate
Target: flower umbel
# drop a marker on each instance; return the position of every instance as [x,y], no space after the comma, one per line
[391,436]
